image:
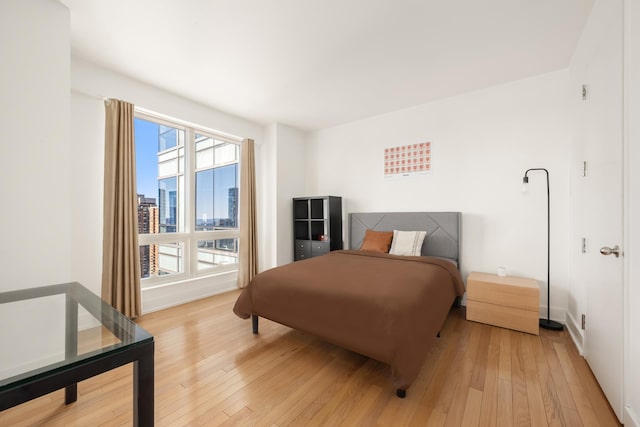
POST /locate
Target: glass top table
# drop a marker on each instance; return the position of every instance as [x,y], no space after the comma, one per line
[52,337]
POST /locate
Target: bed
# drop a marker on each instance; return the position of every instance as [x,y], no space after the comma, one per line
[387,307]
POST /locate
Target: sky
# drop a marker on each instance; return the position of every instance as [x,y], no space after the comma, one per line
[146,137]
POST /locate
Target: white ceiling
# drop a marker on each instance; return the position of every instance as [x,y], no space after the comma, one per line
[316,64]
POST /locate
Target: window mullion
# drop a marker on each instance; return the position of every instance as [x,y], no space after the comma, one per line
[190,185]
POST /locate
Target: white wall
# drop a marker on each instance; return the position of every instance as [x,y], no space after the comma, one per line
[26,353]
[482,143]
[284,178]
[290,183]
[267,195]
[34,116]
[87,150]
[88,82]
[632,234]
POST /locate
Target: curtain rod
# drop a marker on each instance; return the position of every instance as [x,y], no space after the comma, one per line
[171,120]
[92,95]
[151,113]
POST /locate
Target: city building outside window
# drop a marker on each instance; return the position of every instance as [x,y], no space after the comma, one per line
[187,201]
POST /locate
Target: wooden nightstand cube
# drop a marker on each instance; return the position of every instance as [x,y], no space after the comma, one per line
[508,302]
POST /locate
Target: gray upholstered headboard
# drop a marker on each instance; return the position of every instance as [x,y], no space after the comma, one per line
[443,229]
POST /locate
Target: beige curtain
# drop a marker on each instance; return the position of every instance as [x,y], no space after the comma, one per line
[120,252]
[248,255]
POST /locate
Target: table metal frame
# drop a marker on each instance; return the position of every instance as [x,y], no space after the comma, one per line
[136,346]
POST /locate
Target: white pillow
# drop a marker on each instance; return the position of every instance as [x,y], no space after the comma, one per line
[407,242]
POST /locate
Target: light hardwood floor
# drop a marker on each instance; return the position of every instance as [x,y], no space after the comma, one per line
[211,370]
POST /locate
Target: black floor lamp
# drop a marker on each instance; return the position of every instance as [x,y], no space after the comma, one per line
[546,323]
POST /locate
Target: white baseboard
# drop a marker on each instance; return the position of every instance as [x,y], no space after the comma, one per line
[86,320]
[165,296]
[630,417]
[38,362]
[575,330]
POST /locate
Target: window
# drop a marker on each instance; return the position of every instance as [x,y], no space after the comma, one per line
[187,201]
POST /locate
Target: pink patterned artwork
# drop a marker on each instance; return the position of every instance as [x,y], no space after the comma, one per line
[407,160]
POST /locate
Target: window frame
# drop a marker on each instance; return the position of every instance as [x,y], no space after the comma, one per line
[188,237]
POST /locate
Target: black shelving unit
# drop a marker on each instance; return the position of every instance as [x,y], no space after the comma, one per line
[317,226]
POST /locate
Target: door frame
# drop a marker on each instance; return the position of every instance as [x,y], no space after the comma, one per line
[631,199]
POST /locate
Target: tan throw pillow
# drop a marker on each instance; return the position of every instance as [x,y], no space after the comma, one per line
[377,241]
[407,242]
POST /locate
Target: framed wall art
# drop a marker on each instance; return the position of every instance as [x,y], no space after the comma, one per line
[407,160]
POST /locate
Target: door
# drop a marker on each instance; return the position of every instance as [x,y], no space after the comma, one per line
[602,131]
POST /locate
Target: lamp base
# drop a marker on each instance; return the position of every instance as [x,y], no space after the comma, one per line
[551,324]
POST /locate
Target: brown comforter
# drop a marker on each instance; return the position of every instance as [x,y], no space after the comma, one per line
[387,307]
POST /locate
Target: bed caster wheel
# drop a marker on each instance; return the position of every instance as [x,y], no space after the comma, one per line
[401,393]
